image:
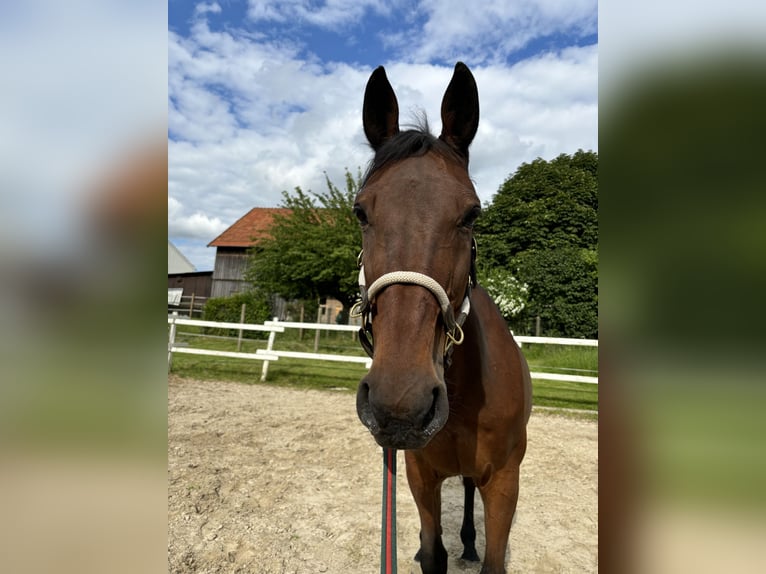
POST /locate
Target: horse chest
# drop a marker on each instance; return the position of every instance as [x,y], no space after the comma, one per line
[457,450]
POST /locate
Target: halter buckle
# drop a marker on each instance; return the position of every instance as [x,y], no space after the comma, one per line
[357,309]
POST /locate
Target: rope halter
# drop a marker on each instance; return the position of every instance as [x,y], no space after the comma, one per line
[453,325]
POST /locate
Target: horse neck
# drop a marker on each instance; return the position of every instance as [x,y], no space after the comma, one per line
[467,359]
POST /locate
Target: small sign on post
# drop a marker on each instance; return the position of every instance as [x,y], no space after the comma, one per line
[174,295]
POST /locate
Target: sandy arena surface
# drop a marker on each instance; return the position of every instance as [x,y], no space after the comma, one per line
[274,480]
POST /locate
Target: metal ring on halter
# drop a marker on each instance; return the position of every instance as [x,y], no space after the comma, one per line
[356,309]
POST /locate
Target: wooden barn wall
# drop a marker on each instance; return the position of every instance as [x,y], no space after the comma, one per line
[197,284]
[229,271]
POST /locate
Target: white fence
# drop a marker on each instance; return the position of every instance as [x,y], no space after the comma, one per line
[267,354]
[521,339]
[189,305]
[275,326]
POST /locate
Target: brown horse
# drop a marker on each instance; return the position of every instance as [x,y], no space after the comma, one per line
[448,383]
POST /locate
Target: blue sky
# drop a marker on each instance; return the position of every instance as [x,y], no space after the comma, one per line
[264,96]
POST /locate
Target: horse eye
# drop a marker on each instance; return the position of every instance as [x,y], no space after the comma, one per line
[360,215]
[470,218]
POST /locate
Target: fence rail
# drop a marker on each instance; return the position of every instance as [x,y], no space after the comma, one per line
[226,325]
[188,305]
[265,355]
[521,339]
[320,326]
[276,326]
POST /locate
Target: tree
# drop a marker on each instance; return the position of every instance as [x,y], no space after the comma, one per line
[542,227]
[312,251]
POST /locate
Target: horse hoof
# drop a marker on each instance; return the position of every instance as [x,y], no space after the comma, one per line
[470,555]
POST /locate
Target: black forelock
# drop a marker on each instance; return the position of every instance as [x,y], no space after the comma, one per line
[413,142]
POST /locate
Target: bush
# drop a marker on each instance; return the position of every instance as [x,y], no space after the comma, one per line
[563,291]
[257,310]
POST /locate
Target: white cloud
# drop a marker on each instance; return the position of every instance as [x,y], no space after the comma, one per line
[540,107]
[432,29]
[203,8]
[455,29]
[249,119]
[195,225]
[329,14]
[198,226]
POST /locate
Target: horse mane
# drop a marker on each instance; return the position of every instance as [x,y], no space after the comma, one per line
[413,142]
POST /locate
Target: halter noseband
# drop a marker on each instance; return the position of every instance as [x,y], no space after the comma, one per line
[453,325]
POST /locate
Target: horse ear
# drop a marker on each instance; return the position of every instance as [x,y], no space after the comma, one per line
[460,110]
[380,115]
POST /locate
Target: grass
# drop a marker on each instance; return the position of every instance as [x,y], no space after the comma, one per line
[326,375]
[574,360]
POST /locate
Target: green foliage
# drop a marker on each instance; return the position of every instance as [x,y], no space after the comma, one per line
[312,251]
[563,286]
[542,226]
[229,309]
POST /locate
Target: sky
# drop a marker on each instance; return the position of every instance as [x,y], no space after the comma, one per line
[265,96]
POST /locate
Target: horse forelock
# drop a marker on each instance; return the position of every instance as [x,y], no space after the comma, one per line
[413,142]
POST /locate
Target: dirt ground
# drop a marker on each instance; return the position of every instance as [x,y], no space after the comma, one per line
[273,480]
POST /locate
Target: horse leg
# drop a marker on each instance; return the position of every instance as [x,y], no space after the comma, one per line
[426,490]
[500,496]
[468,530]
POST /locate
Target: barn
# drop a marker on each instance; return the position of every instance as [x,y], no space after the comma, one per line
[188,288]
[232,248]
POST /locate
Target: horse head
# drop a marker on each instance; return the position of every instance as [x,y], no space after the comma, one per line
[416,208]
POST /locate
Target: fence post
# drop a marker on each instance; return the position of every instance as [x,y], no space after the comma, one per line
[316,334]
[269,347]
[241,320]
[171,341]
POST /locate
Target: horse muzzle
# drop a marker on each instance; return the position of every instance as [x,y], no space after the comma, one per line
[407,423]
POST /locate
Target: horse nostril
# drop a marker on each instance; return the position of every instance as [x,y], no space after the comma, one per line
[428,419]
[363,408]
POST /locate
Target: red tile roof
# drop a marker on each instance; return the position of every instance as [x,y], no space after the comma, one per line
[249,228]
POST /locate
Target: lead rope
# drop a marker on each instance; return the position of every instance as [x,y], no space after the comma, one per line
[388,525]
